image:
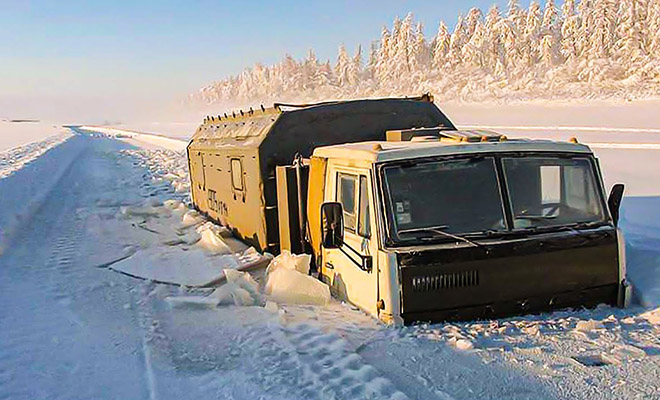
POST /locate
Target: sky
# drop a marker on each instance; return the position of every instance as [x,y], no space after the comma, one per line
[82,61]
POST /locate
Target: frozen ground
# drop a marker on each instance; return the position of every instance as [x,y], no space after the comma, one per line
[74,327]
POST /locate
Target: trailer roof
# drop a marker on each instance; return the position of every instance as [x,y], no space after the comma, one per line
[305,126]
[381,151]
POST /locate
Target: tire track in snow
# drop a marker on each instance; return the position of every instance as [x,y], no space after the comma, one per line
[63,325]
[317,365]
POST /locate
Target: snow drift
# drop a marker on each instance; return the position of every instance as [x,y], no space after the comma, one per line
[287,281]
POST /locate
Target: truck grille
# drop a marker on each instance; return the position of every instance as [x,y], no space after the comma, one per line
[453,280]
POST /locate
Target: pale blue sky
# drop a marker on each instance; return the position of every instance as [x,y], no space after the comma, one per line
[65,57]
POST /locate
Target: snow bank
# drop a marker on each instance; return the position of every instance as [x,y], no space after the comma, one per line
[181,130]
[13,159]
[19,133]
[141,138]
[287,281]
[640,221]
[167,167]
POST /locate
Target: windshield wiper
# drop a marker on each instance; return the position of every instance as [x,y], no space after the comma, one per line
[440,231]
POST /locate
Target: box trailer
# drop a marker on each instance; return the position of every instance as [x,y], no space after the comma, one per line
[233,157]
[410,219]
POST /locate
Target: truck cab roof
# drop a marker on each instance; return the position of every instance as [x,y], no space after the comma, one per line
[384,151]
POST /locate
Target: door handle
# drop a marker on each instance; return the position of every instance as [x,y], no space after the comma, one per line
[329,265]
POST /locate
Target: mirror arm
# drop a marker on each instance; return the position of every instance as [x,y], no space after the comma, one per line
[341,248]
[357,253]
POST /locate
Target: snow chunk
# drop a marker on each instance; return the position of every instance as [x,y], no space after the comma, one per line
[463,344]
[588,326]
[272,307]
[652,316]
[295,262]
[176,265]
[212,243]
[285,283]
[240,290]
[191,218]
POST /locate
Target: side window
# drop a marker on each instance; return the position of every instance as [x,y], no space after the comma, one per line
[364,223]
[237,174]
[346,185]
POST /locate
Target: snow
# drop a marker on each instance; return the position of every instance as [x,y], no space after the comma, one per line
[14,158]
[159,141]
[31,192]
[73,327]
[174,245]
[240,290]
[288,282]
[17,133]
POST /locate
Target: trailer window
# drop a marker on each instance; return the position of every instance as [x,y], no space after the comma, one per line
[346,196]
[237,173]
[364,223]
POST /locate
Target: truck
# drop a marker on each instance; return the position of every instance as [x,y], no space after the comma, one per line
[409,218]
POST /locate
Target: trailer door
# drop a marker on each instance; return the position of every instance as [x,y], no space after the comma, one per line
[198,181]
[348,277]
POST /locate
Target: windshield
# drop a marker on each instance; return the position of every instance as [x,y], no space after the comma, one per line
[455,196]
[549,191]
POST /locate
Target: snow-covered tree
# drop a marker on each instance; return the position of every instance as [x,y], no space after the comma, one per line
[441,46]
[570,28]
[592,47]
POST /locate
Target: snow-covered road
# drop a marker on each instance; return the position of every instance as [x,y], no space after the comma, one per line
[69,329]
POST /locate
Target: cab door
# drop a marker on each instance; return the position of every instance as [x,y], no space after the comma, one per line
[349,279]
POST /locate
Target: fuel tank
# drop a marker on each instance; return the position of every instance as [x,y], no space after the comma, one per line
[504,277]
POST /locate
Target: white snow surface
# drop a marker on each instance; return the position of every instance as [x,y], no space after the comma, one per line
[16,133]
[139,138]
[14,158]
[74,328]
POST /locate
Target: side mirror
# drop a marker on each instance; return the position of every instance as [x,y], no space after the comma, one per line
[332,225]
[614,201]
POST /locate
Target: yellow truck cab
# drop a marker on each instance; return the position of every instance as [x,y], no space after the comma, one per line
[463,225]
[409,218]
